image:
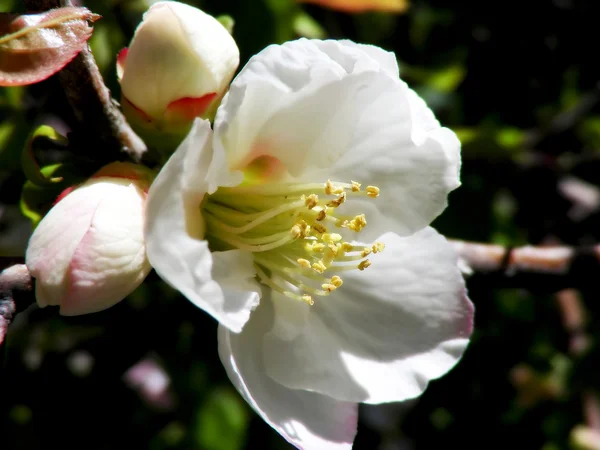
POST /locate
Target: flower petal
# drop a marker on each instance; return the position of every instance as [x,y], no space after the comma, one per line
[110,260]
[175,232]
[337,110]
[308,420]
[52,245]
[385,333]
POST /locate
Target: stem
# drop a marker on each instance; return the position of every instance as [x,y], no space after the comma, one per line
[544,268]
[16,294]
[101,124]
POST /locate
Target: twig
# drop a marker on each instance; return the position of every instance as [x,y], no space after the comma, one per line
[96,112]
[574,320]
[16,294]
[547,269]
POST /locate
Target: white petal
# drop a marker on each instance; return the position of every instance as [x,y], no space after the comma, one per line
[54,241]
[308,420]
[175,232]
[337,110]
[110,260]
[387,60]
[385,333]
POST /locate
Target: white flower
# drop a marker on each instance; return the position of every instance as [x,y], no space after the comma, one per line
[179,63]
[88,252]
[264,225]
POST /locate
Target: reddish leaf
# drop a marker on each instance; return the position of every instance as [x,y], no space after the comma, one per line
[35,46]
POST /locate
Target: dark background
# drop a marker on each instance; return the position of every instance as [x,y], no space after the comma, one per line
[518,82]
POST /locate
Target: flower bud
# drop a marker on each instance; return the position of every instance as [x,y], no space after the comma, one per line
[177,67]
[88,252]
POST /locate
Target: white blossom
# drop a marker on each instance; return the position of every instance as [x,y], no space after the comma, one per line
[301,224]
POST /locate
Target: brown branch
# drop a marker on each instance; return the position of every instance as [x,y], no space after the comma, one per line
[101,124]
[547,268]
[16,294]
[573,316]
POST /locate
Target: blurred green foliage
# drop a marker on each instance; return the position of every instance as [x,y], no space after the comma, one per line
[517,81]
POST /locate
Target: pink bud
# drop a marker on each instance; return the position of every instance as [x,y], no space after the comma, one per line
[88,252]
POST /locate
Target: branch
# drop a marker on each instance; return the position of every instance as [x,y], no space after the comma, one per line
[101,124]
[16,294]
[547,269]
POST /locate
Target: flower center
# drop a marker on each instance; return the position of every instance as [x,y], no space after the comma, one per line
[288,228]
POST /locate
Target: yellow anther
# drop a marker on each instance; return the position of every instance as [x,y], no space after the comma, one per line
[364,264]
[355,186]
[378,247]
[319,228]
[321,215]
[331,237]
[300,229]
[330,189]
[338,201]
[336,281]
[314,246]
[329,287]
[347,247]
[311,201]
[358,223]
[372,191]
[366,252]
[308,299]
[303,263]
[335,248]
[319,267]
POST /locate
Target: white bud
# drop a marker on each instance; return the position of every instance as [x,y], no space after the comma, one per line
[88,252]
[178,64]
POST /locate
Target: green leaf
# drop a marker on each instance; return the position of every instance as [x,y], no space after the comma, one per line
[305,26]
[222,421]
[227,22]
[36,200]
[31,168]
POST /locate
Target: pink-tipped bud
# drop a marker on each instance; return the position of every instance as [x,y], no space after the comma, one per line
[177,67]
[88,252]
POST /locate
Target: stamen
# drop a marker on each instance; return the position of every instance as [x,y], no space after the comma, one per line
[372,191]
[358,223]
[303,263]
[283,225]
[364,264]
[338,201]
[311,201]
[378,247]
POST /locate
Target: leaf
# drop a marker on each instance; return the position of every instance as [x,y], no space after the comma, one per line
[222,421]
[227,22]
[37,200]
[35,46]
[31,168]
